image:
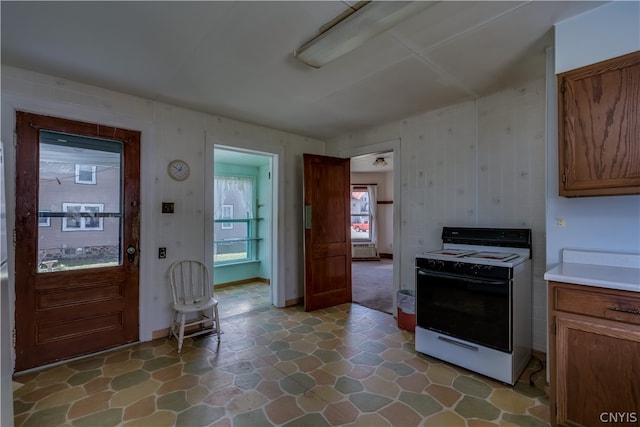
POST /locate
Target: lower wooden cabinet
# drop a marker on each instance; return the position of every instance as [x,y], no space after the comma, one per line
[594,345]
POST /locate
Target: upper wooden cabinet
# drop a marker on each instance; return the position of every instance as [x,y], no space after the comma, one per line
[599,128]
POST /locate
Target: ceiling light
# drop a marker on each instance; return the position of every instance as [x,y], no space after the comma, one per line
[353,28]
[380,162]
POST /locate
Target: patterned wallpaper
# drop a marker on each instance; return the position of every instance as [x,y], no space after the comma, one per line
[479,163]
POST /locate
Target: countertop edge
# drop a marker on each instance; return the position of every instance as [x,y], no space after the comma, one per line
[625,282]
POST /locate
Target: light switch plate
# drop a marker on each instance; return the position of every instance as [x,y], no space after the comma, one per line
[167,207]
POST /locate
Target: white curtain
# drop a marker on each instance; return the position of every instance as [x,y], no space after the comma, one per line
[373,205]
[234,191]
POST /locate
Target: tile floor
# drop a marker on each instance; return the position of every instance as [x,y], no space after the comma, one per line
[347,365]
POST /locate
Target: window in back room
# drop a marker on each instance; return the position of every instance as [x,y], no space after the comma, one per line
[361,224]
[234,219]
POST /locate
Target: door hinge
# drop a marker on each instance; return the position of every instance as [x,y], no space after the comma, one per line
[13,338]
[14,238]
[563,87]
[564,178]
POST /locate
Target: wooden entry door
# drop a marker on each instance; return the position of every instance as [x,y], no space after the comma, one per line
[327,238]
[76,239]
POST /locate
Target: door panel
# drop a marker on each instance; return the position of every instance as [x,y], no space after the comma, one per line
[327,238]
[77,212]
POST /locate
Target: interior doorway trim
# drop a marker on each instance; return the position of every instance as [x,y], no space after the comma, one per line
[381,147]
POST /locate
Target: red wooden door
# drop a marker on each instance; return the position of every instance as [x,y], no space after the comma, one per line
[327,238]
[77,232]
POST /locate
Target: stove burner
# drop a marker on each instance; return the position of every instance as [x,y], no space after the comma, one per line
[452,252]
[496,256]
[470,255]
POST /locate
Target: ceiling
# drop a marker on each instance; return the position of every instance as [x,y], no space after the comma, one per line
[365,163]
[235,59]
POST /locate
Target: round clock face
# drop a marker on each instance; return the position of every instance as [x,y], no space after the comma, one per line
[179,170]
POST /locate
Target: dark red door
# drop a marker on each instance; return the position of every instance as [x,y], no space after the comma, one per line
[77,232]
[327,238]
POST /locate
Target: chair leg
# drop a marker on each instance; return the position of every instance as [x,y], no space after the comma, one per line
[181,337]
[216,319]
[174,323]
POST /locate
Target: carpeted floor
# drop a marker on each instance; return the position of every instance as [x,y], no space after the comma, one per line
[372,284]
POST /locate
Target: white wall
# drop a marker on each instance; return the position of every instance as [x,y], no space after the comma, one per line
[473,164]
[600,223]
[384,181]
[168,132]
[602,33]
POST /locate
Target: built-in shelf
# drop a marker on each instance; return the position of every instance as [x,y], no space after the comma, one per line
[240,239]
[227,220]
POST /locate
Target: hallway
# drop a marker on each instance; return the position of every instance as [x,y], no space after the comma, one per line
[372,284]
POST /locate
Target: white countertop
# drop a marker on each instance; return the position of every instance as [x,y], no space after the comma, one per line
[600,269]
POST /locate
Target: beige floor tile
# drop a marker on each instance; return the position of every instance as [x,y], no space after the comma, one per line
[509,401]
[442,374]
[247,401]
[133,394]
[283,409]
[380,386]
[157,419]
[141,409]
[445,418]
[59,398]
[345,365]
[90,405]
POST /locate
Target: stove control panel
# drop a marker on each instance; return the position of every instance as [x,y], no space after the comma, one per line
[464,268]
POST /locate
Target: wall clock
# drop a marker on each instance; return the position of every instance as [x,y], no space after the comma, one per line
[179,170]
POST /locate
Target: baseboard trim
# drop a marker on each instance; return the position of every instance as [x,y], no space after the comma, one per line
[540,355]
[164,332]
[293,301]
[243,282]
[160,333]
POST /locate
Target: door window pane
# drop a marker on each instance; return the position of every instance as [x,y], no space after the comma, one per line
[79,202]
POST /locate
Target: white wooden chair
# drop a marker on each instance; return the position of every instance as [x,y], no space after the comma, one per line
[192,294]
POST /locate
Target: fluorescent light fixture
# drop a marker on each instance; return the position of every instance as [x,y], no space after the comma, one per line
[364,21]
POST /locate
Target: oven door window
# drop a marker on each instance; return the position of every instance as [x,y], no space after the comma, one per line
[469,308]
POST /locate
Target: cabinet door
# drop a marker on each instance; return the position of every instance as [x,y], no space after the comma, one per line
[599,128]
[597,372]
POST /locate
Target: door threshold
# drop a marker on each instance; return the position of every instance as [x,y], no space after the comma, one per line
[73,359]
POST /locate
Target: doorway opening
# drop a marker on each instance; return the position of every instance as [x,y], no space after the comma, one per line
[372,190]
[242,230]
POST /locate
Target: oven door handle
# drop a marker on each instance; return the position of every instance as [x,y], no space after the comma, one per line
[468,279]
[458,343]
